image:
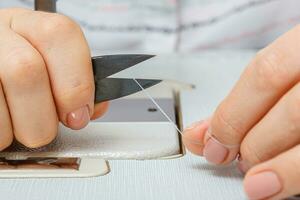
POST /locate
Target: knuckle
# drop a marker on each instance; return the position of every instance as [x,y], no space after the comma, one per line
[231,129]
[269,70]
[25,67]
[82,91]
[56,24]
[5,11]
[11,10]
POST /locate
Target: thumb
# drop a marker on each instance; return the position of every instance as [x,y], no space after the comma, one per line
[100,109]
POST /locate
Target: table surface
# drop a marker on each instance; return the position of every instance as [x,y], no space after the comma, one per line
[189,177]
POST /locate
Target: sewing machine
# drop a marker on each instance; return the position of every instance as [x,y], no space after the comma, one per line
[182,177]
[113,155]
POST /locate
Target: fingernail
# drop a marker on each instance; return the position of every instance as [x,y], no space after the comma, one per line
[262,185]
[194,125]
[214,152]
[78,118]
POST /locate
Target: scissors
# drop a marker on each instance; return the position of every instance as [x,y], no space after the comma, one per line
[104,66]
[106,88]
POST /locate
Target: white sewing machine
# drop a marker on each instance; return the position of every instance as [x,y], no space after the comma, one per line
[182,177]
[110,150]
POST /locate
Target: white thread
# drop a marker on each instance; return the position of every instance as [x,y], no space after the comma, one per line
[164,113]
[228,146]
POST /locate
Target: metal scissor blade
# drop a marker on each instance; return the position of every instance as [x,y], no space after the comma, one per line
[113,88]
[104,66]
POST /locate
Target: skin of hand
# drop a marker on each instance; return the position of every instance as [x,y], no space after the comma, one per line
[46,77]
[259,121]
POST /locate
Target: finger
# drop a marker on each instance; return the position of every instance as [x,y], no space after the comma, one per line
[65,51]
[27,90]
[277,132]
[100,109]
[273,71]
[277,178]
[6,134]
[193,135]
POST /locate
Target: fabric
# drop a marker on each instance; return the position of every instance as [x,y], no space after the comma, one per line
[173,25]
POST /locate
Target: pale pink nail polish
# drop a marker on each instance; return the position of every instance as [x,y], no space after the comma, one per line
[78,118]
[262,185]
[214,152]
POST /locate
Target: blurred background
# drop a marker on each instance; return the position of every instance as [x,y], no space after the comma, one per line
[166,26]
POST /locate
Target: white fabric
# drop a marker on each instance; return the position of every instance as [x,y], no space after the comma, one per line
[137,141]
[177,25]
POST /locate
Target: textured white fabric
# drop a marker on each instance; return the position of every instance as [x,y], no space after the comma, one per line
[109,140]
[186,178]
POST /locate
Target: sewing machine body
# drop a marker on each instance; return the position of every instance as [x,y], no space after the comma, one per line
[133,128]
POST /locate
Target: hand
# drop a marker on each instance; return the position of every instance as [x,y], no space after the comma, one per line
[46,76]
[260,120]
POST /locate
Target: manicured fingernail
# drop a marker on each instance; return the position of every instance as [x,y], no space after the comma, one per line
[194,125]
[78,118]
[215,152]
[262,185]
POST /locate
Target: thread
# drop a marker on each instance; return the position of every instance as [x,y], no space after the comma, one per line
[166,115]
[228,146]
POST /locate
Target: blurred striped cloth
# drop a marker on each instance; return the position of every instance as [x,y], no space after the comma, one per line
[163,26]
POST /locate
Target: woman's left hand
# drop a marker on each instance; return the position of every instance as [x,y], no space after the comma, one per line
[260,121]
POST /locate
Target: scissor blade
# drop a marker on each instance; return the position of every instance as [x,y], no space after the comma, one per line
[104,66]
[113,88]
